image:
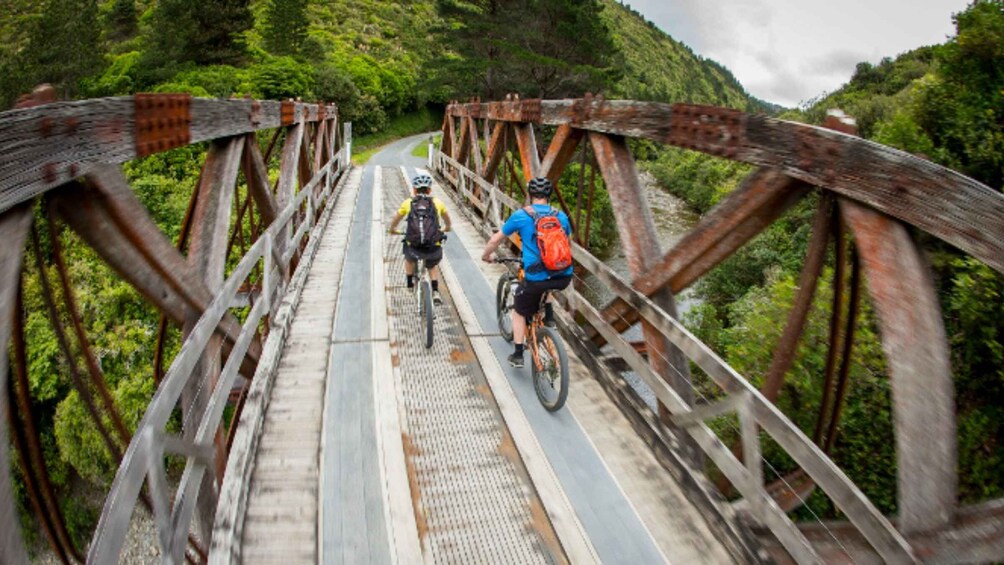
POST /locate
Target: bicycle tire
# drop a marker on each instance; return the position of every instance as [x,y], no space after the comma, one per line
[427,314]
[555,371]
[504,304]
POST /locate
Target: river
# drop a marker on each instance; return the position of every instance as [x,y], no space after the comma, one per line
[673,219]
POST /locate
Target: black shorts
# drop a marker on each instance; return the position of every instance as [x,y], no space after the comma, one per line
[432,255]
[527,299]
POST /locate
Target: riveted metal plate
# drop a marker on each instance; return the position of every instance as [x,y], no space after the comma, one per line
[718,131]
[287,112]
[162,122]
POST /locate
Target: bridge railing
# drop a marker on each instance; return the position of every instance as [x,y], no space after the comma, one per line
[223,284]
[854,178]
[144,460]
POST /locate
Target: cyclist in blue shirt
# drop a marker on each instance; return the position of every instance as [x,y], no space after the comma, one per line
[538,280]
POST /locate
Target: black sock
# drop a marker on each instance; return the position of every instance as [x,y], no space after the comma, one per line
[435,286]
[548,311]
[411,280]
[519,348]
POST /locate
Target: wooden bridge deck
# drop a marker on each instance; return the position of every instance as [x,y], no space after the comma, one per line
[375,450]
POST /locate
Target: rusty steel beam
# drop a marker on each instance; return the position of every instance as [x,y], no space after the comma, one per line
[762,198]
[288,167]
[496,151]
[47,145]
[320,147]
[14,226]
[529,157]
[784,351]
[256,176]
[639,240]
[560,152]
[913,339]
[951,206]
[463,148]
[109,217]
[29,447]
[446,142]
[475,144]
[304,172]
[207,255]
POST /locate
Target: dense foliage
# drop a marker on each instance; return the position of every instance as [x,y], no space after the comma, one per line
[946,103]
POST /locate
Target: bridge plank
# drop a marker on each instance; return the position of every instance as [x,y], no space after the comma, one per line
[229,527]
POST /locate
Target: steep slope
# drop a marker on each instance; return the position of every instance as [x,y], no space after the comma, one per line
[659,68]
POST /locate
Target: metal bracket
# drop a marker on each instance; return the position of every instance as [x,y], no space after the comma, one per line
[287,112]
[162,122]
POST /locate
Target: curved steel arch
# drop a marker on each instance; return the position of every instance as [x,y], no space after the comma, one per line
[880,190]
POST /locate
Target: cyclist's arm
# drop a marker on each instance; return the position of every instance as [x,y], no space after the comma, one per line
[395,222]
[492,245]
[446,219]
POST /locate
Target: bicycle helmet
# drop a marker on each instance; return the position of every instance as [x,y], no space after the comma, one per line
[539,187]
[422,183]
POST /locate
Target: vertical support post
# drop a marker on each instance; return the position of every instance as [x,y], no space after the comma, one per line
[431,155]
[348,141]
[641,245]
[528,154]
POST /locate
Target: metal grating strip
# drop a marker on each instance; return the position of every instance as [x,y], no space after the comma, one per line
[474,493]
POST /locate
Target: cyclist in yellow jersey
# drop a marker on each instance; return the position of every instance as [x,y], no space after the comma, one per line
[430,251]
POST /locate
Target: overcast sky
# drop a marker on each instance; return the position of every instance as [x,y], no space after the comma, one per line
[789,51]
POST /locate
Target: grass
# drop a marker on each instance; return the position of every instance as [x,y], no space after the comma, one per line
[422,149]
[364,146]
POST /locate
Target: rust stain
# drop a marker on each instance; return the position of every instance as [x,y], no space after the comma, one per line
[395,360]
[410,450]
[461,356]
[542,525]
[507,448]
[484,390]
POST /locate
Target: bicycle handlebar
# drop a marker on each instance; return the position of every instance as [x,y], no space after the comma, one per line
[508,260]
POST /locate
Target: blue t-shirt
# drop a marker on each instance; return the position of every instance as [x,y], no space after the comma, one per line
[520,222]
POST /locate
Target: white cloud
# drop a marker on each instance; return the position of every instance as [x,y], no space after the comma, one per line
[789,51]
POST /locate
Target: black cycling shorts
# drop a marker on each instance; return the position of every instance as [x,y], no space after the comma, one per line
[527,299]
[432,255]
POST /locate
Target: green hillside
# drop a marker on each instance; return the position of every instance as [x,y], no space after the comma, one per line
[659,68]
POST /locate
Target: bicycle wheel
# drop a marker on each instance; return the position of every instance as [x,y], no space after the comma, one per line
[504,305]
[425,320]
[550,380]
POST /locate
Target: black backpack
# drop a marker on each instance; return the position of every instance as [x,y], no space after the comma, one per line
[422,229]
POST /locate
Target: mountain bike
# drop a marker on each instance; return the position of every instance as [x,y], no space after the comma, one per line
[423,299]
[548,360]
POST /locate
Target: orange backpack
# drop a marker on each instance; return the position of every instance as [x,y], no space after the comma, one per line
[552,241]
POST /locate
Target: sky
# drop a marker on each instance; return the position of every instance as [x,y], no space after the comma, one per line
[790,51]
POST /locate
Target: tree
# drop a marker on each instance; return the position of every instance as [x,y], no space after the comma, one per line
[286,26]
[545,48]
[63,47]
[204,32]
[122,21]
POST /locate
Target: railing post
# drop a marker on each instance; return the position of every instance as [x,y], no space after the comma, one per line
[266,278]
[347,135]
[751,452]
[431,154]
